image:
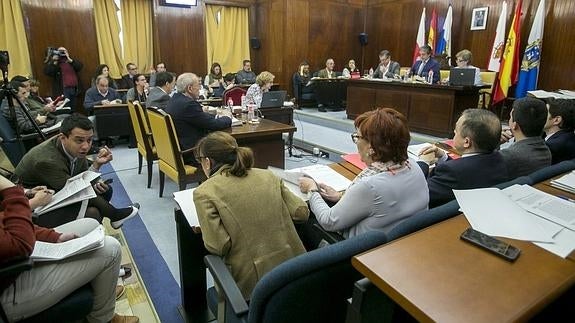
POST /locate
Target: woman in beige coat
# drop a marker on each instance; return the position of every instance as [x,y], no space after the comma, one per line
[246,214]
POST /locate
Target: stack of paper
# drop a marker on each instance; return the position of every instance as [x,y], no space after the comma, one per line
[46,251]
[322,174]
[521,212]
[291,181]
[77,189]
[565,182]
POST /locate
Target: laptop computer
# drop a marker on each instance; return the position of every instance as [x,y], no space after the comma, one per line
[273,99]
[462,76]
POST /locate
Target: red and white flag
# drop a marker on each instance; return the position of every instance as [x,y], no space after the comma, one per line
[420,41]
[499,41]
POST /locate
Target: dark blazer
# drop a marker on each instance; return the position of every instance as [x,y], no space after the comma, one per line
[191,122]
[526,156]
[562,146]
[392,71]
[126,82]
[431,65]
[478,171]
[157,98]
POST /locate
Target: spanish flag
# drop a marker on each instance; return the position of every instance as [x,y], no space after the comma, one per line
[431,39]
[509,69]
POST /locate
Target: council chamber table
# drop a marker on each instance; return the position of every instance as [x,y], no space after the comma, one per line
[114,120]
[435,276]
[430,109]
[265,139]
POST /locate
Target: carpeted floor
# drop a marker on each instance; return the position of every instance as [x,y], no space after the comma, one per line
[157,281]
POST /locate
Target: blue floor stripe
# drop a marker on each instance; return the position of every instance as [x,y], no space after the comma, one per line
[161,285]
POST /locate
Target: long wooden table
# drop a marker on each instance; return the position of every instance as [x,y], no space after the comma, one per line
[435,276]
[430,109]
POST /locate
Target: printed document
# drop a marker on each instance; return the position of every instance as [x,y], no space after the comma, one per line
[77,189]
[47,251]
[323,174]
[565,182]
[290,180]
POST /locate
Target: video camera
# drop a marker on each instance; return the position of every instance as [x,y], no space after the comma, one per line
[51,51]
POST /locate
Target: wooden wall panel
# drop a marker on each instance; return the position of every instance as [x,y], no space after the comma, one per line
[294,30]
[67,23]
[386,31]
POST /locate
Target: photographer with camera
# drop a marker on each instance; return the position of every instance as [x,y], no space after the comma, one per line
[64,72]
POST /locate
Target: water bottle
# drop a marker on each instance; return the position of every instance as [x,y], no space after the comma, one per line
[430,77]
[230,104]
[243,100]
[251,113]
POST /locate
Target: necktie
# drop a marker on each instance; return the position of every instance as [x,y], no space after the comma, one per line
[420,68]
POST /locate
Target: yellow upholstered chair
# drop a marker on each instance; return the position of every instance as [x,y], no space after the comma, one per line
[488,78]
[404,70]
[170,161]
[145,142]
[444,74]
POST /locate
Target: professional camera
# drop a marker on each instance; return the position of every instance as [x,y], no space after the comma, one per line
[54,51]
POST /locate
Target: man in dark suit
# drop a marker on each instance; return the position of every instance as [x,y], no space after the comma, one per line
[425,64]
[386,67]
[559,129]
[190,120]
[477,134]
[528,153]
[159,95]
[127,81]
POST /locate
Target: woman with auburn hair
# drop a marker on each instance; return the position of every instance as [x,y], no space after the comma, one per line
[264,82]
[253,232]
[388,191]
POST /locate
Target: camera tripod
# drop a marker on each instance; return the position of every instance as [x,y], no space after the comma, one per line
[6,91]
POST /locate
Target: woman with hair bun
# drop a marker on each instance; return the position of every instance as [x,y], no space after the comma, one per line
[246,214]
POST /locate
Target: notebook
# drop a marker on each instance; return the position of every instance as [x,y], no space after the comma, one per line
[273,99]
[462,76]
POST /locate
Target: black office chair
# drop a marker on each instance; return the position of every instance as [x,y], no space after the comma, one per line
[305,96]
[72,308]
[14,149]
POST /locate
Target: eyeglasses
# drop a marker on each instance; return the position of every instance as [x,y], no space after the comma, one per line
[355,137]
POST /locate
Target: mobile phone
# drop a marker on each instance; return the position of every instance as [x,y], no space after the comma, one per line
[489,243]
[108,181]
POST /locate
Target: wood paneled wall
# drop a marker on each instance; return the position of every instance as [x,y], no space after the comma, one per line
[314,30]
[392,24]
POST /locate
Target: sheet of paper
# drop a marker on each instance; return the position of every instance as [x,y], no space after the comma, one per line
[565,182]
[77,188]
[568,93]
[185,200]
[563,243]
[501,217]
[290,180]
[324,174]
[543,204]
[541,94]
[46,251]
[52,128]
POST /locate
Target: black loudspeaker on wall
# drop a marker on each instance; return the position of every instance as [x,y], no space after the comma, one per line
[363,39]
[255,43]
